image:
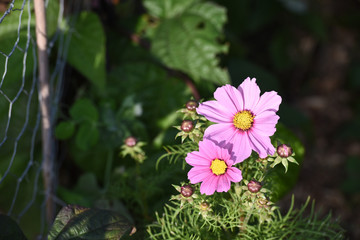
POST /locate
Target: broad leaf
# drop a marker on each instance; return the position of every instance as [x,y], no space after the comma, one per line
[168,8]
[186,38]
[75,222]
[52,15]
[87,136]
[64,130]
[87,48]
[84,109]
[9,229]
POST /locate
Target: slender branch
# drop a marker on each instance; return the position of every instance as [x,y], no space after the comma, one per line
[45,105]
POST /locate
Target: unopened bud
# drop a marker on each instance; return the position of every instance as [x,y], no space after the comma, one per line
[187,126]
[187,191]
[204,206]
[191,105]
[254,186]
[284,151]
[130,141]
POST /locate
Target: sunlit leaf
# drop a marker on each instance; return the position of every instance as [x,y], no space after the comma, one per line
[187,38]
[75,222]
[168,8]
[87,48]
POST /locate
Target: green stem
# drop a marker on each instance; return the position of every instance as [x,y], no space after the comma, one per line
[108,166]
[141,191]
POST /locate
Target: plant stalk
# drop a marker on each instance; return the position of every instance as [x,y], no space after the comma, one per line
[48,170]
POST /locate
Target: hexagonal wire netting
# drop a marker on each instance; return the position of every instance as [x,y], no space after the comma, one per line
[22,193]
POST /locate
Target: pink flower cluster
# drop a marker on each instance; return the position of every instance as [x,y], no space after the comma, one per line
[244,122]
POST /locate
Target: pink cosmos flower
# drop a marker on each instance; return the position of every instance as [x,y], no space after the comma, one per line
[244,119]
[212,165]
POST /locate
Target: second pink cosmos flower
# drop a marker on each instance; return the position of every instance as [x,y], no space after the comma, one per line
[213,166]
[244,119]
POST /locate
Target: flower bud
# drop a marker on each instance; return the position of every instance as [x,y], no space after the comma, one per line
[204,206]
[254,186]
[130,141]
[187,191]
[191,105]
[187,126]
[284,151]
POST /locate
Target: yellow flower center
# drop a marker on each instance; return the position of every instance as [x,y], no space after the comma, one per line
[243,120]
[218,167]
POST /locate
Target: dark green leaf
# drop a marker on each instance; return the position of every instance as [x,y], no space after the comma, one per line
[187,37]
[158,96]
[84,109]
[87,48]
[52,15]
[9,229]
[87,136]
[65,130]
[87,185]
[73,197]
[75,222]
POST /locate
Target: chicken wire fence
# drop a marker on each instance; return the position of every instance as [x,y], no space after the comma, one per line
[23,194]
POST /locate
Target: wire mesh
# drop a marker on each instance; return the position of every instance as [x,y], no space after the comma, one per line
[22,195]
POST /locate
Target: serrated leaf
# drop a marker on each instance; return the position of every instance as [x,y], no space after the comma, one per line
[9,229]
[64,130]
[75,222]
[188,40]
[87,48]
[87,136]
[84,109]
[168,8]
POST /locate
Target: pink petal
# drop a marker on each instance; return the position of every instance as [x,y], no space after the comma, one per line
[208,149]
[241,146]
[215,112]
[197,159]
[266,117]
[223,184]
[229,97]
[223,154]
[234,174]
[265,124]
[264,129]
[251,93]
[268,101]
[199,174]
[209,185]
[261,144]
[220,132]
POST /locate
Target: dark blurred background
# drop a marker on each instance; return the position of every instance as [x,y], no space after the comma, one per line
[309,51]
